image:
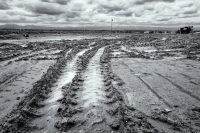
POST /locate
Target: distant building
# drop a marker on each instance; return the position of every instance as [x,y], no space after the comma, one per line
[185,30]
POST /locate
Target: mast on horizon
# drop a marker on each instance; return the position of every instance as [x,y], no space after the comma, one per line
[111,25]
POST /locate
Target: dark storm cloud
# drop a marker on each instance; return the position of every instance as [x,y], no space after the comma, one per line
[99,12]
[187,5]
[72,15]
[12,13]
[190,11]
[188,16]
[164,19]
[142,2]
[103,8]
[4,6]
[125,14]
[17,20]
[61,2]
[138,14]
[45,1]
[44,9]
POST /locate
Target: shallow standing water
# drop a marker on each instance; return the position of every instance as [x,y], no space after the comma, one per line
[49,119]
[92,93]
[92,99]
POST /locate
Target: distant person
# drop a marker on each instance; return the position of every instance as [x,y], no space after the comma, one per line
[26,35]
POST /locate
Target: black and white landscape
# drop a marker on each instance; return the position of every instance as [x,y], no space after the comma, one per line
[103,66]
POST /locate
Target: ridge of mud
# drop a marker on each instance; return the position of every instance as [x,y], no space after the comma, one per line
[26,110]
[69,101]
[169,119]
[47,121]
[131,120]
[9,79]
[117,116]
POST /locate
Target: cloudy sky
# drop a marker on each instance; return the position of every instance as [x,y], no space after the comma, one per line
[80,13]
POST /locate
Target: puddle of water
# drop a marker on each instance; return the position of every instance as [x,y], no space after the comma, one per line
[92,43]
[146,49]
[54,51]
[52,106]
[68,74]
[137,74]
[125,49]
[116,53]
[24,41]
[65,78]
[68,53]
[56,37]
[150,50]
[177,49]
[92,99]
[175,57]
[92,93]
[163,39]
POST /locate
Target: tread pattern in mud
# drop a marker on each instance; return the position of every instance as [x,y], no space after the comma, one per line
[19,118]
[113,115]
[105,109]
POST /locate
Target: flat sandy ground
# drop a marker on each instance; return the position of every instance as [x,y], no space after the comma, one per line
[171,83]
[18,78]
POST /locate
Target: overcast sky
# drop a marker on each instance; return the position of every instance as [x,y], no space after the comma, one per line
[81,13]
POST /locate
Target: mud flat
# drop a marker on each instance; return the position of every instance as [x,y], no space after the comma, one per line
[55,37]
[76,102]
[93,82]
[106,110]
[92,98]
[29,55]
[19,72]
[162,83]
[47,121]
[28,107]
[18,81]
[139,84]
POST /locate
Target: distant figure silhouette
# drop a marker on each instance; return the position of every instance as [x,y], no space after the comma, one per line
[26,35]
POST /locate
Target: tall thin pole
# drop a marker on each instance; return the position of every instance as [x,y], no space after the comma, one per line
[111,25]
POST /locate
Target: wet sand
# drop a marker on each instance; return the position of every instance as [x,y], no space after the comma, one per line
[148,84]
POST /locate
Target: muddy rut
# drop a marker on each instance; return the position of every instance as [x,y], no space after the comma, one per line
[47,121]
[91,99]
[80,93]
[92,104]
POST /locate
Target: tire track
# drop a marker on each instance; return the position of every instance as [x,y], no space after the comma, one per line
[93,81]
[84,99]
[181,72]
[154,92]
[28,108]
[23,55]
[52,104]
[128,113]
[91,98]
[149,87]
[190,79]
[10,79]
[179,87]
